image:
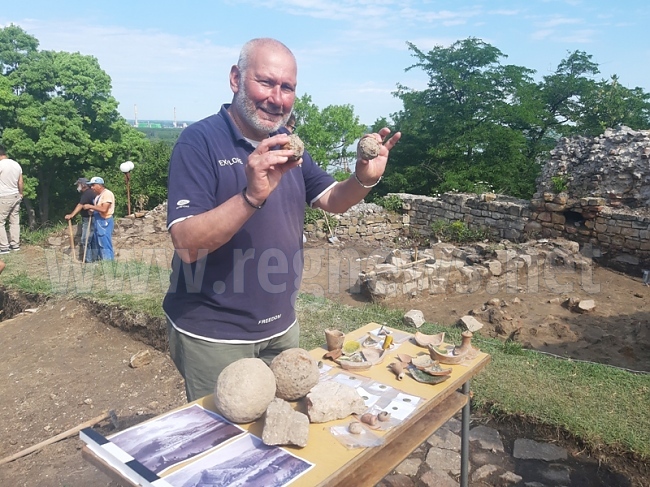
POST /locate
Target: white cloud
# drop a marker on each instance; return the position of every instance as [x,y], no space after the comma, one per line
[556,21]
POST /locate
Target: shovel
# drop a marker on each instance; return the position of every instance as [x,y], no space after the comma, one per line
[332,238]
[90,222]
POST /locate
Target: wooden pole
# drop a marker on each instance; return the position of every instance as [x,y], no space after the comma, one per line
[90,223]
[74,256]
[54,439]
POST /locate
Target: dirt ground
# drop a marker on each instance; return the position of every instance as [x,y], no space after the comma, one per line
[617,332]
[61,365]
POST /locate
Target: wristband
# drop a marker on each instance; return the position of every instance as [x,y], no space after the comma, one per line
[257,207]
[364,185]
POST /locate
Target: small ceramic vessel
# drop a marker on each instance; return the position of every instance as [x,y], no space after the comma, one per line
[451,355]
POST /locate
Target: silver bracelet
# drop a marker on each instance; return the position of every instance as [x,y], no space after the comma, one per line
[364,185]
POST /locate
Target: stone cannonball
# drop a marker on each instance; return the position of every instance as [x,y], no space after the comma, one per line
[369,147]
[244,390]
[296,372]
[296,145]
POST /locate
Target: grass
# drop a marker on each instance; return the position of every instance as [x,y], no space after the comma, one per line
[603,407]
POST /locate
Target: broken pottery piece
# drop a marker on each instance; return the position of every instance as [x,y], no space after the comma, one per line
[425,340]
[361,360]
[333,354]
[405,358]
[422,376]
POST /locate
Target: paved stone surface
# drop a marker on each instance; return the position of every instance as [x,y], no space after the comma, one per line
[437,478]
[488,438]
[511,478]
[410,466]
[518,462]
[530,449]
[441,459]
[484,471]
[443,438]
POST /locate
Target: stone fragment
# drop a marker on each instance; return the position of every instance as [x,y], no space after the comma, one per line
[141,358]
[414,318]
[483,471]
[329,400]
[586,306]
[470,323]
[445,460]
[296,372]
[511,477]
[410,466]
[532,450]
[284,426]
[396,480]
[436,478]
[244,390]
[445,439]
[488,438]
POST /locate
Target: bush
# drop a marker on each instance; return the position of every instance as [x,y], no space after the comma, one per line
[457,232]
[391,203]
[559,184]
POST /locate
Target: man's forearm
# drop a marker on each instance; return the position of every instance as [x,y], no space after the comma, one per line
[342,196]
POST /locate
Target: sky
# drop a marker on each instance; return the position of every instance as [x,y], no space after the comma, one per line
[172,58]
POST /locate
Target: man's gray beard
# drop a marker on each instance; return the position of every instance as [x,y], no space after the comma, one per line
[246,109]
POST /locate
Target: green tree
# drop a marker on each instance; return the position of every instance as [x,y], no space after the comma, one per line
[609,104]
[61,121]
[480,122]
[328,134]
[452,128]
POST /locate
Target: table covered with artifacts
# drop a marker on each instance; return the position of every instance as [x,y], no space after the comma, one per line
[408,384]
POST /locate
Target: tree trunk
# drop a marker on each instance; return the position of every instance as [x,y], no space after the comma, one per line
[31,214]
[43,196]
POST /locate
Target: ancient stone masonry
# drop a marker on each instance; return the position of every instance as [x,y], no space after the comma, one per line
[134,237]
[597,192]
[364,221]
[444,268]
[503,216]
[594,191]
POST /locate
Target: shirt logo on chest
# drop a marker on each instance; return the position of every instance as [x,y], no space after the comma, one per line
[230,162]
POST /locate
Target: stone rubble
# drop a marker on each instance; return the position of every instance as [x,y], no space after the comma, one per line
[284,426]
[490,462]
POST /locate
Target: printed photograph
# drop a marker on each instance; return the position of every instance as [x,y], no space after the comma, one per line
[244,462]
[175,437]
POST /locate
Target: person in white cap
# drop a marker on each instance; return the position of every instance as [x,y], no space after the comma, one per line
[87,197]
[103,209]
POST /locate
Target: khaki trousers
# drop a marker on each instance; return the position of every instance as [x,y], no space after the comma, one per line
[200,362]
[10,210]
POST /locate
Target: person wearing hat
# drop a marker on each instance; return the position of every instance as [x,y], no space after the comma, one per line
[87,198]
[103,209]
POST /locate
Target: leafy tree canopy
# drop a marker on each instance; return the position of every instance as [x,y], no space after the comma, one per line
[58,119]
[328,134]
[483,123]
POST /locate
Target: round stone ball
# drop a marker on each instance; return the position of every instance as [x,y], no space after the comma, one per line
[244,390]
[296,372]
[369,147]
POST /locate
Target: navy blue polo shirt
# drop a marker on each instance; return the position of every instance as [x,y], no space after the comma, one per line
[244,291]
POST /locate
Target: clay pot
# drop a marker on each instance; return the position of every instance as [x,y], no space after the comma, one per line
[334,339]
